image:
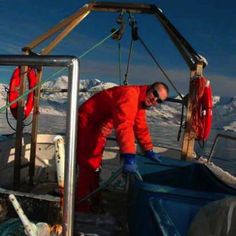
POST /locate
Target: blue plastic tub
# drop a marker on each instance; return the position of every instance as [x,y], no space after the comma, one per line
[170,196]
[12,227]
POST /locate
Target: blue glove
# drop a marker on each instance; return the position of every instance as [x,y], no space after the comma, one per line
[129,165]
[153,156]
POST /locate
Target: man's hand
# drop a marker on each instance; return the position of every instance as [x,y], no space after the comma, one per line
[129,164]
[153,156]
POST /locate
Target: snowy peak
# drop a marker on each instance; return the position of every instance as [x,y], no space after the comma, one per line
[3,94]
[219,101]
[62,83]
[224,110]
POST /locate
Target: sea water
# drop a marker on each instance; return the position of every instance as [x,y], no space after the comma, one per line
[162,134]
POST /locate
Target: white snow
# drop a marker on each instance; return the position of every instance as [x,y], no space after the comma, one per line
[55,104]
[2,94]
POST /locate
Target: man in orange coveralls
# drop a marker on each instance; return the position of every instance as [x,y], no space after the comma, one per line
[124,109]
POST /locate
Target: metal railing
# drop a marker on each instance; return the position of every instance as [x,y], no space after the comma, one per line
[72,63]
[217,137]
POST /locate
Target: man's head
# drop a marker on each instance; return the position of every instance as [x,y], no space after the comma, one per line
[156,94]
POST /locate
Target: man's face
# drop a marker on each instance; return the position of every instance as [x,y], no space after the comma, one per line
[155,96]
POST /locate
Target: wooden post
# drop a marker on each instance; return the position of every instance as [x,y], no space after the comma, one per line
[34,130]
[70,23]
[65,32]
[57,28]
[189,135]
[19,130]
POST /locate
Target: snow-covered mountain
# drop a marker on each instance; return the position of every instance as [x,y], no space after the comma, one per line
[224,112]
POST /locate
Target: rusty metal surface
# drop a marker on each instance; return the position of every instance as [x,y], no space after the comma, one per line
[39,208]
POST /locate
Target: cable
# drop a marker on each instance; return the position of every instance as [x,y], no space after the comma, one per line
[103,185]
[181,123]
[98,44]
[159,66]
[7,116]
[128,63]
[49,77]
[119,61]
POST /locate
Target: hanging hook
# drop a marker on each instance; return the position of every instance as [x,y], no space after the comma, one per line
[121,22]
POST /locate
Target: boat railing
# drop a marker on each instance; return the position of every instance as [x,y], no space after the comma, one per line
[72,63]
[217,137]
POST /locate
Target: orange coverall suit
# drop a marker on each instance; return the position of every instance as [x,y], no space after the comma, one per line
[119,108]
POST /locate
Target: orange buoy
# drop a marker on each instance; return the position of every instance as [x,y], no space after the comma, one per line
[14,91]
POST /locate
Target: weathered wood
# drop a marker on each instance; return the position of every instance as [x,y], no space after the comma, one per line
[106,6]
[19,129]
[64,33]
[81,15]
[39,208]
[188,53]
[187,151]
[189,136]
[118,7]
[34,130]
[57,28]
[83,12]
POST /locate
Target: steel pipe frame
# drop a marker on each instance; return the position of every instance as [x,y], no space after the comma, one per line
[217,137]
[72,63]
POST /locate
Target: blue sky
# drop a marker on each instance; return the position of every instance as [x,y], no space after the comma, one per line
[209,26]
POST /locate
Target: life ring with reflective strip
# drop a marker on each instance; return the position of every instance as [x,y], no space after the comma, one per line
[202,106]
[14,91]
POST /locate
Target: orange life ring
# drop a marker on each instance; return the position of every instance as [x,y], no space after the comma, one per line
[201,107]
[14,91]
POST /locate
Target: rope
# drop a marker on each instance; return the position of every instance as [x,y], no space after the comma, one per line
[181,123]
[166,76]
[138,175]
[7,116]
[128,63]
[159,66]
[52,75]
[98,44]
[103,184]
[135,36]
[119,61]
[8,104]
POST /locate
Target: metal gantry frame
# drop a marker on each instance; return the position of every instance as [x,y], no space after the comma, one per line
[72,63]
[62,29]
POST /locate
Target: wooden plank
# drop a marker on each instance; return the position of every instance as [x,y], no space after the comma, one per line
[47,50]
[106,6]
[118,7]
[189,135]
[19,130]
[34,130]
[64,33]
[57,28]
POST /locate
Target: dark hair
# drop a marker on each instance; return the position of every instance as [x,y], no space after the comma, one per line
[156,84]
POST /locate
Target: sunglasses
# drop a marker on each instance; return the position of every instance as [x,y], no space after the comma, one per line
[156,94]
